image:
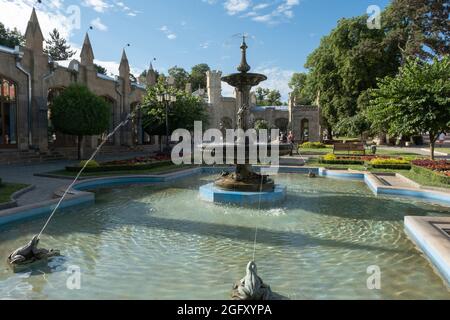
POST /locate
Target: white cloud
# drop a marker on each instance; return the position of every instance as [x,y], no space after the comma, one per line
[97,5]
[98,24]
[277,79]
[51,14]
[236,6]
[170,35]
[261,6]
[282,13]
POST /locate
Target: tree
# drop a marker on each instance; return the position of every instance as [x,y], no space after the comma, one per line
[261,95]
[261,125]
[77,111]
[346,64]
[417,100]
[182,113]
[198,76]
[301,89]
[100,69]
[10,38]
[267,97]
[419,28]
[181,77]
[274,98]
[57,47]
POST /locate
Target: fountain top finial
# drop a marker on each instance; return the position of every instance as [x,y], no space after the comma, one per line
[244,67]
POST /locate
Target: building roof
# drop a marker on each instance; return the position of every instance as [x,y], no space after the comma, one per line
[7,50]
[264,108]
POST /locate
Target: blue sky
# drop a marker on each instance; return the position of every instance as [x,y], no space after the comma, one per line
[185,32]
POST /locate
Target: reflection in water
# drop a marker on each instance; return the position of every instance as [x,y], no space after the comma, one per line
[162,242]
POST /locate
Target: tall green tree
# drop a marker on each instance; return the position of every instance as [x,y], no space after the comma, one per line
[198,76]
[181,77]
[301,88]
[57,47]
[346,64]
[10,38]
[182,114]
[417,100]
[77,111]
[420,28]
[267,97]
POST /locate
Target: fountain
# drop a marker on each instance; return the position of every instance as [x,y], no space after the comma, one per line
[244,186]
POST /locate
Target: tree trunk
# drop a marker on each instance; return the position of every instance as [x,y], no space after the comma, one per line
[80,143]
[330,133]
[433,139]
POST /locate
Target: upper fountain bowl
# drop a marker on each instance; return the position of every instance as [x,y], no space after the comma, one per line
[240,80]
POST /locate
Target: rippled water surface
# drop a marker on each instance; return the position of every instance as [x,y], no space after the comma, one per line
[162,242]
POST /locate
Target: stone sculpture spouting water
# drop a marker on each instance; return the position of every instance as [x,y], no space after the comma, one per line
[251,287]
[29,254]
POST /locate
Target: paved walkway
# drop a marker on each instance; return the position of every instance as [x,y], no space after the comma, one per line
[45,187]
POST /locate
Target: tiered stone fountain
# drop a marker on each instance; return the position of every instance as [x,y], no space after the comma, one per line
[244,186]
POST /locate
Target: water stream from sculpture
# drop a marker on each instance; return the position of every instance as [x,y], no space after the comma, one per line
[129,117]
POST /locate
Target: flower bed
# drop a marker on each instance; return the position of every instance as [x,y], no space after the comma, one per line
[438,171]
[138,163]
[379,162]
[313,145]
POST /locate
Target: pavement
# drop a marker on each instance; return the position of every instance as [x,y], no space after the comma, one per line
[45,187]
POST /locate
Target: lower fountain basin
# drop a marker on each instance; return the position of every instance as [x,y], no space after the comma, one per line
[211,193]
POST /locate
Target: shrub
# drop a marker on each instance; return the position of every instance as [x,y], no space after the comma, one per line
[124,167]
[379,161]
[432,175]
[313,145]
[90,164]
[329,157]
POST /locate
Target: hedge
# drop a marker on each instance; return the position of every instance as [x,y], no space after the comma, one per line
[125,167]
[392,166]
[358,162]
[430,174]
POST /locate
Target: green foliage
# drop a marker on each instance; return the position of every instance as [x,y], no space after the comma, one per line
[90,164]
[433,176]
[57,47]
[182,113]
[122,167]
[198,76]
[261,125]
[301,89]
[10,38]
[100,69]
[420,28]
[345,65]
[388,161]
[77,111]
[267,97]
[416,100]
[313,145]
[180,76]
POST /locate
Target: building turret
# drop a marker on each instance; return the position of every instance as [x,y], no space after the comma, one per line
[33,35]
[124,68]
[151,76]
[214,86]
[87,54]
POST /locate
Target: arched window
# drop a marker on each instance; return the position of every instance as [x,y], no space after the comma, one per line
[8,113]
[282,124]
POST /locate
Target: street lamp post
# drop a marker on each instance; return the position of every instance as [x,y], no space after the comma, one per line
[167,99]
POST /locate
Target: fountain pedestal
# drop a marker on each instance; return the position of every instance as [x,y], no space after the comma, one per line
[212,193]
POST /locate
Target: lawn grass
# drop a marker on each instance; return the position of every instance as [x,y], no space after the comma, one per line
[7,190]
[422,180]
[159,170]
[444,150]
